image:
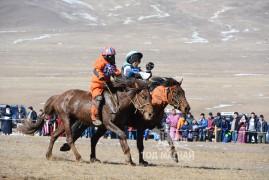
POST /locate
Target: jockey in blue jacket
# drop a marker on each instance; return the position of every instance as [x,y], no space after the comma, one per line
[130,67]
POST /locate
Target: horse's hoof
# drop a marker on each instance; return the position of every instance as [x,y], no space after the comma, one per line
[175,158]
[131,163]
[143,163]
[80,160]
[95,160]
[50,157]
[65,147]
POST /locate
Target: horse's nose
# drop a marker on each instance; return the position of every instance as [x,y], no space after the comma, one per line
[150,115]
[187,109]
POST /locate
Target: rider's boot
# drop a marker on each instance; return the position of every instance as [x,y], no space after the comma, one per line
[96,109]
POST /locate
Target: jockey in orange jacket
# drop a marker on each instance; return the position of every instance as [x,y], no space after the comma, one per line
[103,69]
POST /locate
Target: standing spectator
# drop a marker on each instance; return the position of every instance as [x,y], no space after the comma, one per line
[189,118]
[224,125]
[217,122]
[7,120]
[172,121]
[195,130]
[234,127]
[210,126]
[20,115]
[40,115]
[202,127]
[59,123]
[267,135]
[132,133]
[31,115]
[242,129]
[179,125]
[185,130]
[252,127]
[262,129]
[146,134]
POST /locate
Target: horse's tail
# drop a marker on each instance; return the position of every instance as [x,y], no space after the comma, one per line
[29,127]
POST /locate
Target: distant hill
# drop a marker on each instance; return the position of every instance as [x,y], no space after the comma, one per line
[208,20]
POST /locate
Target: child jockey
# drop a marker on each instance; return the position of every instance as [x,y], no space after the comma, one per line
[103,69]
[130,67]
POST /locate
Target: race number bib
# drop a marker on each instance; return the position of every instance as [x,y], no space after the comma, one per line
[109,70]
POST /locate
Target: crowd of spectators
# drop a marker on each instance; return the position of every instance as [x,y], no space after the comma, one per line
[238,129]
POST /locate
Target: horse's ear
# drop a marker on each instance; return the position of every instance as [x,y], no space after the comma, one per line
[180,82]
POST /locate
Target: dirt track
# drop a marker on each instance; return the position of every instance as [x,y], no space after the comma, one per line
[23,157]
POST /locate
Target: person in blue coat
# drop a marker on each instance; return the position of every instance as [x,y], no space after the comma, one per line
[225,126]
[7,120]
[185,130]
[202,127]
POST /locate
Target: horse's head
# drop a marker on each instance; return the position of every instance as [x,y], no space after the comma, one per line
[143,101]
[176,97]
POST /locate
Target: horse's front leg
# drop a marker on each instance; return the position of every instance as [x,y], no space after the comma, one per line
[172,148]
[123,141]
[173,151]
[140,146]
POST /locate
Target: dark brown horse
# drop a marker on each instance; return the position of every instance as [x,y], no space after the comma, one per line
[164,91]
[75,105]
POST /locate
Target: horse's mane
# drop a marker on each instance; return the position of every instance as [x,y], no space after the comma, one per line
[121,83]
[162,81]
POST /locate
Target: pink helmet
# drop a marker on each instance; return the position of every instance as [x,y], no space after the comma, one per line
[108,51]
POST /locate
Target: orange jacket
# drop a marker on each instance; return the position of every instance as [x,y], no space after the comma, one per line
[99,67]
[180,122]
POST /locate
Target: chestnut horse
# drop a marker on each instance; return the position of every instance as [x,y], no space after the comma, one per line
[74,105]
[164,91]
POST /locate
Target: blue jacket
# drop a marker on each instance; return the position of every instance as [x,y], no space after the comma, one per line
[185,130]
[264,126]
[134,70]
[224,126]
[203,123]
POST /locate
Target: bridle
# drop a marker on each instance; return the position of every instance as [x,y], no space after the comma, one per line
[140,106]
[170,90]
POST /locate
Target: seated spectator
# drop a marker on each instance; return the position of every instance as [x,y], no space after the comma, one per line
[202,127]
[189,118]
[252,127]
[225,126]
[210,126]
[185,130]
[242,129]
[216,123]
[195,130]
[234,127]
[172,121]
[262,129]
